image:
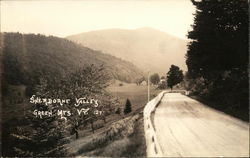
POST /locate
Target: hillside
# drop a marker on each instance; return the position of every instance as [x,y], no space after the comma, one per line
[147,48]
[27,56]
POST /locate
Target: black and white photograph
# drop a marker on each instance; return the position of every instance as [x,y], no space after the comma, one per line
[124,78]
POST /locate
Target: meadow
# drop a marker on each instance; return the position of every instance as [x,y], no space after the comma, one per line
[137,94]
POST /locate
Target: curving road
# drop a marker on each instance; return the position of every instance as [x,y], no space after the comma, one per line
[187,128]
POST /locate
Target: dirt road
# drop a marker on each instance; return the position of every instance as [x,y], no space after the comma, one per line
[187,128]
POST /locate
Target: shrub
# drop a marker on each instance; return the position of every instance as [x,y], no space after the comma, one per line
[127,108]
[118,111]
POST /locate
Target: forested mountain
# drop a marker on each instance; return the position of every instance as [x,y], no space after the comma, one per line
[28,56]
[147,48]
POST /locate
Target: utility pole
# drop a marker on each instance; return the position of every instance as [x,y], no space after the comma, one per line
[148,86]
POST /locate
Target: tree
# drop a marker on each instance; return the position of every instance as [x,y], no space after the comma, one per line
[174,76]
[217,54]
[127,108]
[155,78]
[90,82]
[36,137]
[219,39]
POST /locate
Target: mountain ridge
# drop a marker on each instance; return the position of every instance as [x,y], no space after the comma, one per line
[26,56]
[147,48]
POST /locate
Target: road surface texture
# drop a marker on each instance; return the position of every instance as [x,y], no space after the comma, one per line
[187,128]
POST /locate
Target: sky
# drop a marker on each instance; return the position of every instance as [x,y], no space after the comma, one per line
[63,18]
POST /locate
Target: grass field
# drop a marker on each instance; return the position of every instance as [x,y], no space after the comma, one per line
[138,95]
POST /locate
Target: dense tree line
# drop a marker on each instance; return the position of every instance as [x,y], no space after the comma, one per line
[217,56]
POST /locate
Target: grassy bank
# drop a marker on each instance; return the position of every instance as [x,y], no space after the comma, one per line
[122,138]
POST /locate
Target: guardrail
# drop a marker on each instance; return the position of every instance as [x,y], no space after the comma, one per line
[153,147]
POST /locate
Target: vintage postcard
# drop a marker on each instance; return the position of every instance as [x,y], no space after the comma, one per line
[124,78]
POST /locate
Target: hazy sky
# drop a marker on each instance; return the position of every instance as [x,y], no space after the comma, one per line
[63,18]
